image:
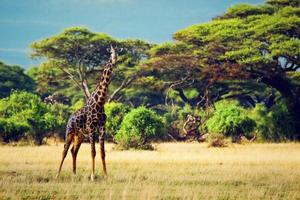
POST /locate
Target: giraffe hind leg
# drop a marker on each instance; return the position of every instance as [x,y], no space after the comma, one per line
[93,155]
[69,140]
[102,148]
[74,150]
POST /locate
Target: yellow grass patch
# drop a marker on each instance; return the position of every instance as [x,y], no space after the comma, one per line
[174,171]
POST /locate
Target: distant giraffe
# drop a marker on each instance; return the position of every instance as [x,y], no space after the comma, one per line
[90,120]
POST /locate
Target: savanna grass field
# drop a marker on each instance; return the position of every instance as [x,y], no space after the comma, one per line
[173,171]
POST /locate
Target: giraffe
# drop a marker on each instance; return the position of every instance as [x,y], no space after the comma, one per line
[90,120]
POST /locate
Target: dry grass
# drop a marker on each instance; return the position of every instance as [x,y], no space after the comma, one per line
[174,171]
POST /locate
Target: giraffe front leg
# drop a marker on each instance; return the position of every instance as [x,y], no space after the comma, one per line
[102,148]
[93,155]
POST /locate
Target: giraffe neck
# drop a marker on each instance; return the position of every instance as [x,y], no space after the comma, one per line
[102,87]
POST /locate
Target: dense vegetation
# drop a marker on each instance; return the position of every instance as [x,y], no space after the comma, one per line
[235,76]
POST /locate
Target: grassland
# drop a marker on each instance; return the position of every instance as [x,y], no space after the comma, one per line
[174,171]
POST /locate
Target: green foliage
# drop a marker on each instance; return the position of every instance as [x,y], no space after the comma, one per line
[12,129]
[191,93]
[246,40]
[61,113]
[24,114]
[14,78]
[138,128]
[245,10]
[33,73]
[50,79]
[230,119]
[283,3]
[77,105]
[74,44]
[115,113]
[275,124]
[168,48]
[134,51]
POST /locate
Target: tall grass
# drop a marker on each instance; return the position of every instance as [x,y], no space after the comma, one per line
[174,171]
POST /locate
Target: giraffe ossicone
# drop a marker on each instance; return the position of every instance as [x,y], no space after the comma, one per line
[89,121]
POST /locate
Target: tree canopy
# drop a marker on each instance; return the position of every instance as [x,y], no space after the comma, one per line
[259,43]
[14,78]
[79,53]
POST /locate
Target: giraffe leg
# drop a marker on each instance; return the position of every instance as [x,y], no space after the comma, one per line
[74,151]
[102,148]
[69,140]
[93,155]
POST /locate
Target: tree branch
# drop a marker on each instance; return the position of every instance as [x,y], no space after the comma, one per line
[71,76]
[124,84]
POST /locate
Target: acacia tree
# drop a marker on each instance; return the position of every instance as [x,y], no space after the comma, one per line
[76,51]
[79,53]
[261,43]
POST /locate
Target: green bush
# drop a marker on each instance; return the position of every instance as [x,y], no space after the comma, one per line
[138,128]
[115,113]
[23,114]
[275,124]
[12,129]
[61,113]
[230,119]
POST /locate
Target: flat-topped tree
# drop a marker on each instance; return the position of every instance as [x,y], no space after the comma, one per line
[76,51]
[80,54]
[262,46]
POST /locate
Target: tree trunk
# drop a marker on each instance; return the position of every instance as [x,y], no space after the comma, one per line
[86,90]
[288,92]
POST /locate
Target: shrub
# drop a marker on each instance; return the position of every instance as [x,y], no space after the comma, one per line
[61,113]
[230,119]
[12,129]
[23,114]
[275,124]
[115,113]
[139,126]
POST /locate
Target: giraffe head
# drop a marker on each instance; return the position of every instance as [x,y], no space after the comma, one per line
[113,55]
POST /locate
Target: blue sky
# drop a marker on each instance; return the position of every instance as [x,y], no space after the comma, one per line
[25,21]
